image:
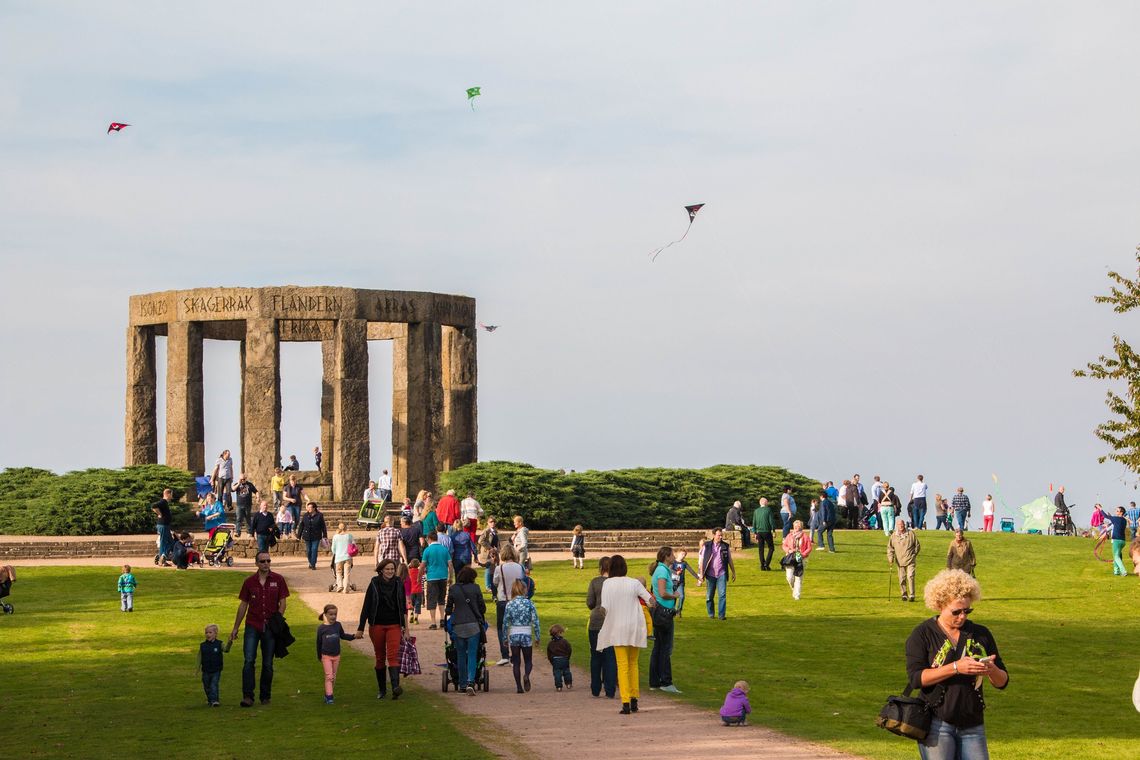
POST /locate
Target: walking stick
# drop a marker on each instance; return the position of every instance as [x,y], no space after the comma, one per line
[890,583]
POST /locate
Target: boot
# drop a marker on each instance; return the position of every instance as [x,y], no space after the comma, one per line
[633,704]
[397,689]
[381,682]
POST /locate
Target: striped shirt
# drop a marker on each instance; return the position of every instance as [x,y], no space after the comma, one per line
[960,503]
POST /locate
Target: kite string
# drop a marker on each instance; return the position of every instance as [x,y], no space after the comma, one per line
[653,254]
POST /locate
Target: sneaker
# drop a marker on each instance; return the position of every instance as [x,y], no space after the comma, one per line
[215,704]
[569,686]
[247,701]
[633,704]
[433,627]
[558,688]
[526,683]
[503,662]
[625,709]
[670,689]
[328,700]
[470,691]
[265,701]
[654,688]
[520,691]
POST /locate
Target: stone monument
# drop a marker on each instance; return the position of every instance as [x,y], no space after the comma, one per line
[434,426]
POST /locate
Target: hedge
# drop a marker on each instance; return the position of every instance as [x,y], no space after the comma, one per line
[638,498]
[88,502]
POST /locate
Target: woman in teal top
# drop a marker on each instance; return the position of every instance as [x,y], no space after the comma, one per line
[660,659]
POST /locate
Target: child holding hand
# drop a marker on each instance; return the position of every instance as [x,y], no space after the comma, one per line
[329,636]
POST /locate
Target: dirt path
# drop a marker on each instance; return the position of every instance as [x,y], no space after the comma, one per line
[543,723]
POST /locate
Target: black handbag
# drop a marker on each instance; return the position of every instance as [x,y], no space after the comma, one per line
[908,716]
[662,616]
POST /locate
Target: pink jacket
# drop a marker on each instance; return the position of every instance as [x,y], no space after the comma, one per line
[804,547]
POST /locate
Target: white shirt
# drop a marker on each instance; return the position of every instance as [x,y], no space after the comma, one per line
[918,490]
[987,508]
[504,579]
[384,483]
[625,623]
[371,494]
[469,509]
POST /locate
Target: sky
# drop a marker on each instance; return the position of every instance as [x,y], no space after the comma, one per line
[909,210]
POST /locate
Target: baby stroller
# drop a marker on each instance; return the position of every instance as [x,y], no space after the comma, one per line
[217,551]
[482,678]
[1062,524]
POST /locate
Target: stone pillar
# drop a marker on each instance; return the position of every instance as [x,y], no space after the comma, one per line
[417,408]
[260,402]
[185,428]
[350,409]
[142,390]
[328,419]
[459,408]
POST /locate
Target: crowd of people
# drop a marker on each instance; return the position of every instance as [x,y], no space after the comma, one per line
[434,557]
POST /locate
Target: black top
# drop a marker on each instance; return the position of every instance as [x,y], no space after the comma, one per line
[262,523]
[163,507]
[928,646]
[460,610]
[243,493]
[312,527]
[410,538]
[384,603]
[210,653]
[328,639]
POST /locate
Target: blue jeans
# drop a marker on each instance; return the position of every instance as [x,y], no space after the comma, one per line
[562,672]
[960,518]
[262,542]
[311,549]
[940,521]
[253,637]
[787,522]
[719,586]
[210,683]
[830,537]
[467,659]
[920,513]
[603,668]
[948,742]
[165,542]
[241,515]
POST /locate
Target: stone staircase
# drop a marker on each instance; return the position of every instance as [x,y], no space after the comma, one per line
[14,548]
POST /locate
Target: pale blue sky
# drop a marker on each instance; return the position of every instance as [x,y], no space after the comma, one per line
[909,210]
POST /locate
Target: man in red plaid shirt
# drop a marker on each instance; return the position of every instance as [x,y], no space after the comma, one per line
[388,544]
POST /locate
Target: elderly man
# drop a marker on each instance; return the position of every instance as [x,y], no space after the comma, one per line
[733,520]
[447,511]
[903,549]
[765,521]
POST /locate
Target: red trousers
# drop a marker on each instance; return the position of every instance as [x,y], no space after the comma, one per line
[386,642]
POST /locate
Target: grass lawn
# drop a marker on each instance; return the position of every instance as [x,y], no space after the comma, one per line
[821,668]
[78,678]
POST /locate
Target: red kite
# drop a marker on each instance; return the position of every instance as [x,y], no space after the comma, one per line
[692,215]
[116,126]
[489,328]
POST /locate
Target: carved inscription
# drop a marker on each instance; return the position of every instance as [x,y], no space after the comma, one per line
[454,311]
[156,308]
[302,303]
[305,329]
[215,303]
[397,309]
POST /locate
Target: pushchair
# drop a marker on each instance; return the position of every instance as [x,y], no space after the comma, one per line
[482,679]
[217,551]
[370,515]
[1062,524]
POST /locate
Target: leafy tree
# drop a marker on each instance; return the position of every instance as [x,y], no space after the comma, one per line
[638,498]
[1122,432]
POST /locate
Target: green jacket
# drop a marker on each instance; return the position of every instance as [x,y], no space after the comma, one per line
[767,519]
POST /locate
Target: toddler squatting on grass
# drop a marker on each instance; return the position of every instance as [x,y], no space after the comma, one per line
[736,707]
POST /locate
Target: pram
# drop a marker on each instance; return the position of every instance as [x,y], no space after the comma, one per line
[1062,524]
[371,513]
[217,550]
[482,678]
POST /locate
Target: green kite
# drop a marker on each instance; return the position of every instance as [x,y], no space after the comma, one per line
[471,93]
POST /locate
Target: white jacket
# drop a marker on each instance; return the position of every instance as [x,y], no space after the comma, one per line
[625,623]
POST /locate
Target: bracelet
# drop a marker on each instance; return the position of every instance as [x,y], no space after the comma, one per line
[955,664]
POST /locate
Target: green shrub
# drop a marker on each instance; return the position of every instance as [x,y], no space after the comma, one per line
[639,498]
[88,502]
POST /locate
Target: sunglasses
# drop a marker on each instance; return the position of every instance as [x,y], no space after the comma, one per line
[264,561]
[963,611]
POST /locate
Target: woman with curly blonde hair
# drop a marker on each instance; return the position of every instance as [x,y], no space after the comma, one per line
[949,658]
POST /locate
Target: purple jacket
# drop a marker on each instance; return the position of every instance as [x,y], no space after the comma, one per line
[735,704]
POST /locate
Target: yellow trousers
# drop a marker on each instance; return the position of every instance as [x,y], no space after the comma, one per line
[627,674]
